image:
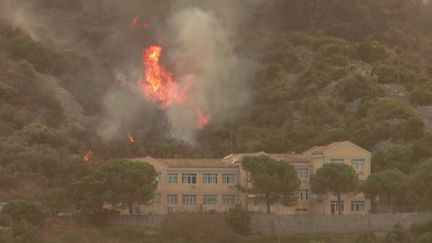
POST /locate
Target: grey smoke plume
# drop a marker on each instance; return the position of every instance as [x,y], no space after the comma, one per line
[202,49]
[198,37]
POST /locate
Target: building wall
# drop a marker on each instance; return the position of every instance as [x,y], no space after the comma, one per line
[344,152]
[160,204]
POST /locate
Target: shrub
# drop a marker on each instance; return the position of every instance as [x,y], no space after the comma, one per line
[421,228]
[394,156]
[390,108]
[272,71]
[23,47]
[314,78]
[5,220]
[239,219]
[356,86]
[6,235]
[421,97]
[56,200]
[327,40]
[423,177]
[424,238]
[411,129]
[371,52]
[389,74]
[397,234]
[20,210]
[25,232]
[367,238]
[7,91]
[317,109]
[36,133]
[334,134]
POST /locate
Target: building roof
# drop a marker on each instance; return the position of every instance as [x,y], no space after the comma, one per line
[322,149]
[195,162]
[230,160]
[289,157]
[211,163]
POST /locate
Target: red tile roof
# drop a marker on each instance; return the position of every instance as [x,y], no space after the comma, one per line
[322,149]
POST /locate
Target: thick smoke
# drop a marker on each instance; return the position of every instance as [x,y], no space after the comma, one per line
[198,39]
[202,49]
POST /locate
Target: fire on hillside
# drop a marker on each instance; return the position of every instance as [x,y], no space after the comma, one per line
[157,84]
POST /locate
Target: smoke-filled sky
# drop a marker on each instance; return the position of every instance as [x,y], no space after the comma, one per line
[198,40]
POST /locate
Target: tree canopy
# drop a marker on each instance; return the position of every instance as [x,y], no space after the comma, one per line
[388,185]
[334,178]
[117,182]
[422,182]
[274,180]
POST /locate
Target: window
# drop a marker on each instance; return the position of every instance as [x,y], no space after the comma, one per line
[229,179]
[303,195]
[340,161]
[228,199]
[189,199]
[358,164]
[303,174]
[357,206]
[189,178]
[172,178]
[334,206]
[172,199]
[210,178]
[209,199]
[156,199]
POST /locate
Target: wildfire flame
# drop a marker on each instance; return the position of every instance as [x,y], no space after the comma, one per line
[158,85]
[202,119]
[87,155]
[131,139]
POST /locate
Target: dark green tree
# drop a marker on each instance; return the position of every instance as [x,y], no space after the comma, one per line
[388,184]
[274,179]
[130,182]
[239,218]
[117,182]
[422,182]
[57,200]
[20,210]
[336,179]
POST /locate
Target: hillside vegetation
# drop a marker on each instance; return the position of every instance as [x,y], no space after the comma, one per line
[325,71]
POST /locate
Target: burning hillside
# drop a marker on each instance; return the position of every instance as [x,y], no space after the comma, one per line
[158,85]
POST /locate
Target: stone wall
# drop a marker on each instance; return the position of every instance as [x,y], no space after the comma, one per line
[289,224]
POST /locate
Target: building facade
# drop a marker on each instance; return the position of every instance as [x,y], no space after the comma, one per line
[210,185]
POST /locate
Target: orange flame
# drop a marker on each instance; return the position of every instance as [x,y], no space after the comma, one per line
[131,139]
[202,119]
[87,155]
[158,85]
